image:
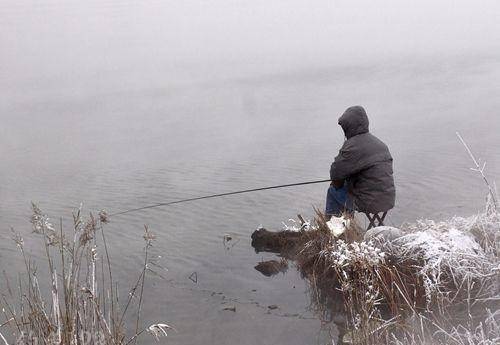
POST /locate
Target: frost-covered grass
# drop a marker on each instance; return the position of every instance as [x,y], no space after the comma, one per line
[460,255]
[80,305]
[437,284]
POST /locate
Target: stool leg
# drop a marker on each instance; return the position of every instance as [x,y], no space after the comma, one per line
[381,218]
[371,218]
[376,219]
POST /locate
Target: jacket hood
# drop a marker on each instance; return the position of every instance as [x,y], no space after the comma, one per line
[354,121]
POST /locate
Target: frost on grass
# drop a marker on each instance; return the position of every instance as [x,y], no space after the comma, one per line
[453,252]
[443,275]
[347,254]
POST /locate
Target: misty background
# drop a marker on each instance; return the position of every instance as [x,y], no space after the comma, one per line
[121,104]
[78,42]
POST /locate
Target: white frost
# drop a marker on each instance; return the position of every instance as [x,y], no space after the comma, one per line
[338,225]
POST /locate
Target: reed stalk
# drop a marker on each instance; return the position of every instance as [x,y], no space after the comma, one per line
[77,312]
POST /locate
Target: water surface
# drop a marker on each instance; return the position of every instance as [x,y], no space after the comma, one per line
[116,145]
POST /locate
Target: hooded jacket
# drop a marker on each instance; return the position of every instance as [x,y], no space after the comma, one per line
[365,162]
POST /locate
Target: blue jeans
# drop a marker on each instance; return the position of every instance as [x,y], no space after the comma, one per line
[338,201]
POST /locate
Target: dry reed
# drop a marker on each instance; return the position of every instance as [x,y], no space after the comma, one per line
[437,284]
[82,306]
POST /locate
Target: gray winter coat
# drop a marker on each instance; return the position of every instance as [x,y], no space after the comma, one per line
[365,163]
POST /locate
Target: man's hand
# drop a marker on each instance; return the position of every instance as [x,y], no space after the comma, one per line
[337,183]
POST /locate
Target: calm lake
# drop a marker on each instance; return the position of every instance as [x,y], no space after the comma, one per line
[115,144]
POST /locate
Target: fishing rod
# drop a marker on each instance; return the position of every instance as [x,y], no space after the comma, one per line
[216,196]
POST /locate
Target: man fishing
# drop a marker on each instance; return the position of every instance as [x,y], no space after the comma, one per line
[361,174]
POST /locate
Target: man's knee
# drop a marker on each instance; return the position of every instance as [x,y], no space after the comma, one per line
[338,201]
[337,194]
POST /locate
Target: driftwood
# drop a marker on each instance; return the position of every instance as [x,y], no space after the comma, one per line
[285,242]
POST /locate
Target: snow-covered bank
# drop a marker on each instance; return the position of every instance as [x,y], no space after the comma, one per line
[425,283]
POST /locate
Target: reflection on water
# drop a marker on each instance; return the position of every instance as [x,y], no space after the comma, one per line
[121,150]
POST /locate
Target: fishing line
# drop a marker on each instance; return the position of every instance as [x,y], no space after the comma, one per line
[216,196]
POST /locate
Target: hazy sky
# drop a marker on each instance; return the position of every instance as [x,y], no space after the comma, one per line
[40,38]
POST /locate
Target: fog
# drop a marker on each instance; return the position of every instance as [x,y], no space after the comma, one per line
[122,104]
[78,40]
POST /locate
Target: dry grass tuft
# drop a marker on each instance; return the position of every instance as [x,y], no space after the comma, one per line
[438,284]
[81,304]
